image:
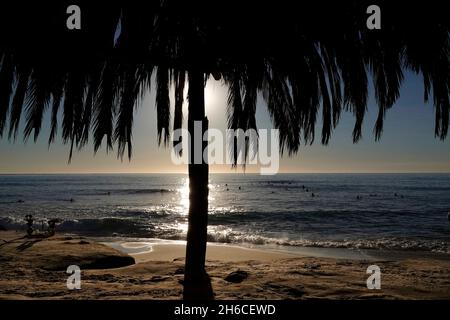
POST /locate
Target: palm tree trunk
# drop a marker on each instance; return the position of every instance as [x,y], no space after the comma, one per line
[198,182]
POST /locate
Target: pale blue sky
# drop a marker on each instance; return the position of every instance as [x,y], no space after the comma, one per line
[407,144]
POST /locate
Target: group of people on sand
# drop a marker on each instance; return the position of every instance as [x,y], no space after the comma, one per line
[32,232]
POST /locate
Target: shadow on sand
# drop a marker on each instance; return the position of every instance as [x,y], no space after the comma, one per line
[5,242]
[199,289]
[27,244]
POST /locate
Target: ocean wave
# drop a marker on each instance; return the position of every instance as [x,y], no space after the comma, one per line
[142,213]
[100,226]
[360,244]
[148,191]
[12,223]
[126,191]
[278,181]
[104,226]
[132,227]
[12,202]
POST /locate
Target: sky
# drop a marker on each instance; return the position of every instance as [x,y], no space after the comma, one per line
[407,144]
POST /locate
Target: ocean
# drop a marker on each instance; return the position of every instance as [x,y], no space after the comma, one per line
[355,211]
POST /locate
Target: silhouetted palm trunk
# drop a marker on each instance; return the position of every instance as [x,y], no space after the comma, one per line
[198,182]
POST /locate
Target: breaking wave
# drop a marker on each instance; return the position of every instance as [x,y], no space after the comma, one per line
[132,227]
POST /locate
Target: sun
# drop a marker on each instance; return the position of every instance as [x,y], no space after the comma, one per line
[213,95]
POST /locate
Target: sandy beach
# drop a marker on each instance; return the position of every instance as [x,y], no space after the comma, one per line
[35,268]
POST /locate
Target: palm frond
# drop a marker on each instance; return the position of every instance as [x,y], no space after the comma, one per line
[234,110]
[6,88]
[248,118]
[104,107]
[23,75]
[129,92]
[355,81]
[162,104]
[56,103]
[179,79]
[37,100]
[277,94]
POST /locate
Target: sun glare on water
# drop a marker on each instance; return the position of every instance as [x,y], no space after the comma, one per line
[184,196]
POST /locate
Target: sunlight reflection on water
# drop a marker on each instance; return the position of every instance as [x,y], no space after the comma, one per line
[184,196]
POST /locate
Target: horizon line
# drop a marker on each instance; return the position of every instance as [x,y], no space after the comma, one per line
[223,172]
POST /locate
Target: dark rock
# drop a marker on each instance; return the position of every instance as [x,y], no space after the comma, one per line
[294,292]
[178,259]
[158,278]
[179,271]
[237,276]
[312,266]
